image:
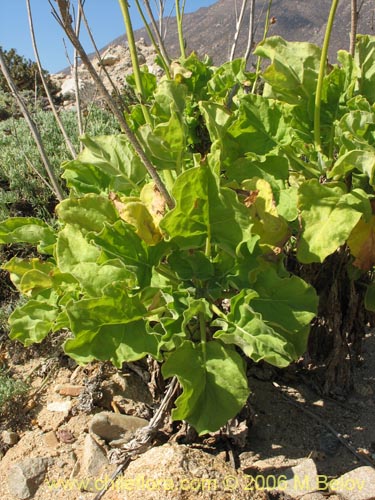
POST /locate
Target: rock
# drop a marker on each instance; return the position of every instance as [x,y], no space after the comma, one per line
[25,477]
[93,458]
[129,386]
[115,426]
[69,390]
[301,479]
[68,88]
[108,60]
[9,437]
[358,484]
[60,406]
[50,440]
[178,472]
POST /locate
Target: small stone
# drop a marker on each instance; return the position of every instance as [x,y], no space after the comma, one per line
[93,458]
[66,436]
[25,477]
[300,479]
[51,440]
[9,437]
[59,406]
[358,484]
[69,390]
[114,426]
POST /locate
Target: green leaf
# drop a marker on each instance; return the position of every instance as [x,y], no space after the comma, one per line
[114,156]
[90,213]
[120,241]
[328,214]
[363,161]
[270,323]
[214,384]
[227,76]
[294,68]
[190,265]
[32,322]
[260,125]
[364,58]
[84,178]
[116,307]
[117,343]
[203,210]
[27,230]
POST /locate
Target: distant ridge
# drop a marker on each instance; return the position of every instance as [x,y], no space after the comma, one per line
[210,30]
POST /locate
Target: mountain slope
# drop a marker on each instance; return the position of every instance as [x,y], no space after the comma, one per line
[210,30]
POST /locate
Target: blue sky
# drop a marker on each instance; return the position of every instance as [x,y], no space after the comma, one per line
[104,17]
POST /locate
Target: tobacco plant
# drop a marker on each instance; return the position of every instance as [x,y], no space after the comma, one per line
[204,285]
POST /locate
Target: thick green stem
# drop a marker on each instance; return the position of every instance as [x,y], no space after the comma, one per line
[322,72]
[158,45]
[179,17]
[266,28]
[203,332]
[134,57]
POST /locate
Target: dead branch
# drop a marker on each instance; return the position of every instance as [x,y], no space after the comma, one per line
[238,29]
[44,82]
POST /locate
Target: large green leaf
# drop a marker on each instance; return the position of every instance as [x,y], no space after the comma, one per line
[329,214]
[116,307]
[294,68]
[119,240]
[365,57]
[114,156]
[363,161]
[89,212]
[214,384]
[204,211]
[271,322]
[117,343]
[260,125]
[27,230]
[32,322]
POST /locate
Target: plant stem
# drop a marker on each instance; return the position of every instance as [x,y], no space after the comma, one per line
[322,71]
[353,27]
[68,142]
[217,311]
[179,17]
[134,58]
[238,29]
[265,33]
[203,332]
[159,45]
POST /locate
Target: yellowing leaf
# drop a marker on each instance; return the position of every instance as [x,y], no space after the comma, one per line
[271,227]
[134,212]
[154,201]
[362,244]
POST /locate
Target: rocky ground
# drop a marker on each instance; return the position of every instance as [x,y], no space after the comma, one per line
[57,438]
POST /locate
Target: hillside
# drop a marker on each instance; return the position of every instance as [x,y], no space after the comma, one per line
[210,30]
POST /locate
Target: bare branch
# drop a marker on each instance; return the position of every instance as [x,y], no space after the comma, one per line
[48,93]
[65,21]
[76,76]
[250,37]
[98,55]
[158,33]
[33,129]
[238,29]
